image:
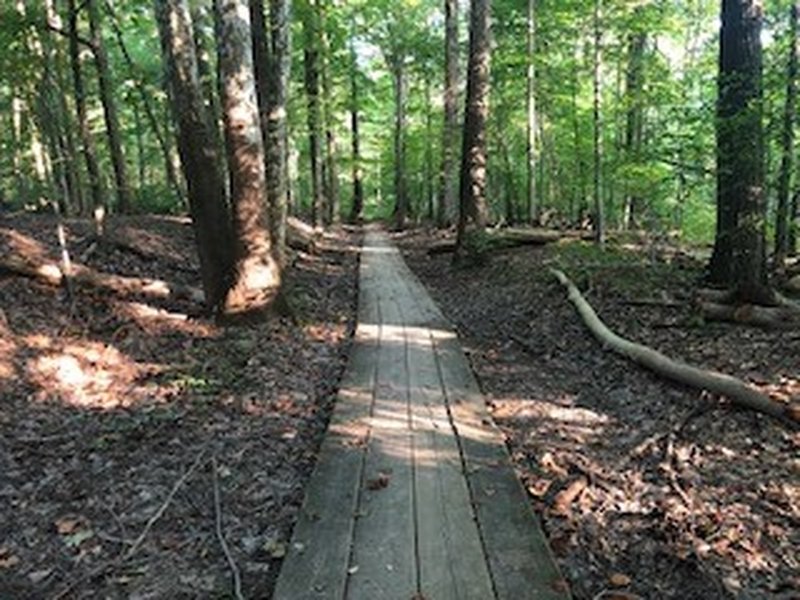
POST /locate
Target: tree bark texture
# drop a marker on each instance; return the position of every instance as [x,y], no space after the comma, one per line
[106,87]
[634,117]
[599,212]
[87,140]
[532,205]
[782,217]
[311,60]
[739,257]
[256,273]
[357,209]
[201,164]
[448,189]
[398,69]
[472,192]
[277,129]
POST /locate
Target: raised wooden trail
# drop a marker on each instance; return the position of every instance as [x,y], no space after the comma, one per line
[413,495]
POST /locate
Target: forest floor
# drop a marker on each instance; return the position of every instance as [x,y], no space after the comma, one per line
[134,440]
[647,489]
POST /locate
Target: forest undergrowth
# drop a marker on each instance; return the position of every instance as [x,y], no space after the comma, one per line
[646,489]
[145,452]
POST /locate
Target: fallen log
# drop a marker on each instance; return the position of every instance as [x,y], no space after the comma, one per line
[300,235]
[718,383]
[776,317]
[51,274]
[501,239]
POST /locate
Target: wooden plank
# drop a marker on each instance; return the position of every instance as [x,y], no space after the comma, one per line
[452,565]
[383,563]
[519,558]
[315,566]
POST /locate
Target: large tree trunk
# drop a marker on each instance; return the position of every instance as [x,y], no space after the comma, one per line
[448,187]
[398,69]
[87,140]
[277,133]
[311,68]
[201,164]
[599,212]
[739,258]
[109,108]
[256,273]
[782,223]
[531,204]
[472,194]
[357,210]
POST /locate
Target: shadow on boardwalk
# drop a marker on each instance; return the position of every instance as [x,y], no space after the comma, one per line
[413,495]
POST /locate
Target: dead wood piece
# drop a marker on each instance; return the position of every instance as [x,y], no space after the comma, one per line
[300,235]
[717,383]
[779,317]
[51,274]
[501,239]
[793,285]
[235,574]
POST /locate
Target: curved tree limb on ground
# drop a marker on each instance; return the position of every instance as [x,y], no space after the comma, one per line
[725,385]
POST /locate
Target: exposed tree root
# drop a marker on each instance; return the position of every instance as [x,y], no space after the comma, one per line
[716,305]
[718,383]
[51,274]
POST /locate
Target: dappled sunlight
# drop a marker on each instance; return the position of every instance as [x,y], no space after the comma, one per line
[82,374]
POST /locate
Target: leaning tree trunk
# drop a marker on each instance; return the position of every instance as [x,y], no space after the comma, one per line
[472,194]
[201,165]
[739,258]
[787,160]
[256,273]
[109,108]
[449,170]
[89,150]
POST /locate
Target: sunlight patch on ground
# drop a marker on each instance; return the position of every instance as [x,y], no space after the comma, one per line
[86,374]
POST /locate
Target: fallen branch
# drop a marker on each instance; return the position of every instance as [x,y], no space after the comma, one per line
[237,578]
[51,274]
[300,235]
[717,383]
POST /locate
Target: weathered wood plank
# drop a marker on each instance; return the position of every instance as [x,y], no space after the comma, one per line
[383,563]
[452,564]
[315,566]
[520,561]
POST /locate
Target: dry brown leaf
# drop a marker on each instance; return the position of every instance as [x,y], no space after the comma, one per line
[378,483]
[619,580]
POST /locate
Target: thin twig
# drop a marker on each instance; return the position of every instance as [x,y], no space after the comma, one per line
[163,508]
[237,578]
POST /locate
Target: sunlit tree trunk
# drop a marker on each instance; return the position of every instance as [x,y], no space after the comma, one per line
[448,188]
[472,194]
[782,221]
[201,164]
[739,258]
[87,140]
[256,273]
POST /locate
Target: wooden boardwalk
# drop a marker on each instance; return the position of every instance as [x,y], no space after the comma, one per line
[413,496]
